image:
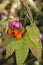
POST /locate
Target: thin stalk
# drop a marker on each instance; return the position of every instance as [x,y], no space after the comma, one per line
[30,60]
[26,12]
[28,17]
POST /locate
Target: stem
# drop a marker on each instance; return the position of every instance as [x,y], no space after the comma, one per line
[27,11]
[30,60]
[28,17]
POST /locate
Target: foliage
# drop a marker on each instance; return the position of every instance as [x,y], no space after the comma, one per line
[31,37]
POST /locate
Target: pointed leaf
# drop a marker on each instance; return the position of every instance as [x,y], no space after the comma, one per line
[11,44]
[35,49]
[33,32]
[22,52]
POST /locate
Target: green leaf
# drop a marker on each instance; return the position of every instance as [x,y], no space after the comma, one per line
[10,48]
[34,33]
[22,52]
[11,44]
[39,49]
[7,40]
[34,40]
[35,49]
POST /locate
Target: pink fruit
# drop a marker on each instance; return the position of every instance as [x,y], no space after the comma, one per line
[12,11]
[41,36]
[16,24]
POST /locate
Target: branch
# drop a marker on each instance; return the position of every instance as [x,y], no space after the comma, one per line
[27,8]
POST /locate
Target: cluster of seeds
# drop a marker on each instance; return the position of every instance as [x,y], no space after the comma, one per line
[16,24]
[15,32]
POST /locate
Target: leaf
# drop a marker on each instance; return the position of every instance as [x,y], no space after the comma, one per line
[11,44]
[39,48]
[34,33]
[35,49]
[22,52]
[36,45]
[10,48]
[7,40]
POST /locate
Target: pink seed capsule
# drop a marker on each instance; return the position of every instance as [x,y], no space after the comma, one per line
[12,11]
[16,24]
[41,36]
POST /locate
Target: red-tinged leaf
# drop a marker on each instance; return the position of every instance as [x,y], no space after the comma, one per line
[35,49]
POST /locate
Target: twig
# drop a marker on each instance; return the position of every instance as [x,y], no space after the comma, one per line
[27,8]
[30,60]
